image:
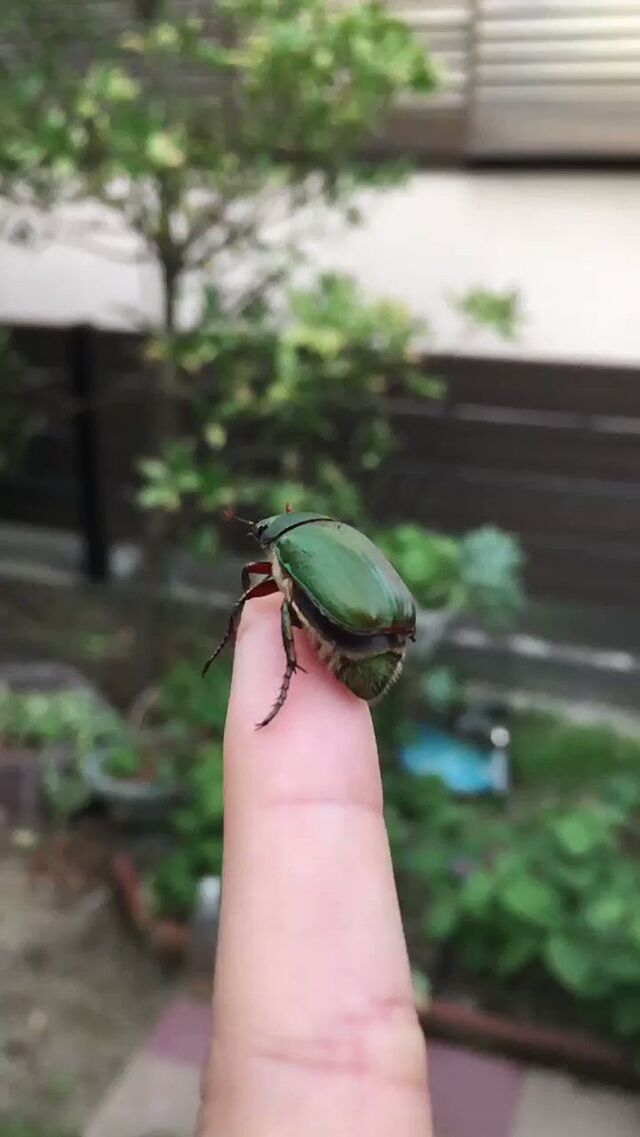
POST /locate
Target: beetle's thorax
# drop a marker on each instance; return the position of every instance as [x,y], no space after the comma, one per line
[271,529]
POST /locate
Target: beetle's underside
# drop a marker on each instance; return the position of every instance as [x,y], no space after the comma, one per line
[367,664]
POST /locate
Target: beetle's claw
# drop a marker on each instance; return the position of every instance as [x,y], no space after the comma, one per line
[265,722]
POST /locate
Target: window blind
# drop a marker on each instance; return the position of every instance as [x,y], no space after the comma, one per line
[547,78]
[555,77]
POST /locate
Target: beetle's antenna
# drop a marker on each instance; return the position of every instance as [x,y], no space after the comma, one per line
[231,515]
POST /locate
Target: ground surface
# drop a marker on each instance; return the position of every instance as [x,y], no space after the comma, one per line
[76,997]
[100,631]
[473,1095]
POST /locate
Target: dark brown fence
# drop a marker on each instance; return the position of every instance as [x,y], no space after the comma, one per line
[550,452]
[80,472]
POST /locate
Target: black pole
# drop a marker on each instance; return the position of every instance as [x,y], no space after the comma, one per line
[95,559]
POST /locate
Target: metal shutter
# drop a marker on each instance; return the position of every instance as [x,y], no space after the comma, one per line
[555,77]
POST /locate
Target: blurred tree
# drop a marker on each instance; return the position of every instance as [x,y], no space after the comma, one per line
[289,401]
[202,141]
[197,131]
[204,129]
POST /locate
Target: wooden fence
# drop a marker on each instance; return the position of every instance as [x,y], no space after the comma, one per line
[550,452]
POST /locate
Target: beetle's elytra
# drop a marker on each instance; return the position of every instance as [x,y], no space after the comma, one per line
[339,587]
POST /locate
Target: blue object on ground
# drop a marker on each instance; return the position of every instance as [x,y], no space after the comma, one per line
[463,767]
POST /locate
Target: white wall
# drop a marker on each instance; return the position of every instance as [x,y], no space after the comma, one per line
[569,242]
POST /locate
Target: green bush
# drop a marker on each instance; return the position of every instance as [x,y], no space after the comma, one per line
[429,563]
[123,761]
[46,720]
[186,701]
[195,709]
[38,719]
[153,759]
[198,830]
[479,572]
[548,750]
[547,888]
[560,893]
[295,408]
[20,1127]
[298,405]
[491,564]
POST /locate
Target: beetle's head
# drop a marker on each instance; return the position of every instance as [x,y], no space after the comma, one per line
[271,528]
[263,529]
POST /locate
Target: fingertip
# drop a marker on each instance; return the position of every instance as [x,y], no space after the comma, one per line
[322,735]
[259,666]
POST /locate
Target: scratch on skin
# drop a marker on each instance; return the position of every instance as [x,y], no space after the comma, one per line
[382,1048]
[384,1044]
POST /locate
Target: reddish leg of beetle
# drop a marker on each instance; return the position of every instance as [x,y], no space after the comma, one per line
[256,568]
[263,588]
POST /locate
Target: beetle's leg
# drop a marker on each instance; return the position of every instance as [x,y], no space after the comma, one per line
[289,620]
[263,588]
[257,568]
[292,664]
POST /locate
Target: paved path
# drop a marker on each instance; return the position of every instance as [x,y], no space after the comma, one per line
[473,1095]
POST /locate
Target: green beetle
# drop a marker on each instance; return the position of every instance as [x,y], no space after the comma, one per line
[339,587]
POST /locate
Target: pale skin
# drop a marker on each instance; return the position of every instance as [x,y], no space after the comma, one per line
[314,1028]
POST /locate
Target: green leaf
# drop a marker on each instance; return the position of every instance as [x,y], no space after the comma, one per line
[152,468]
[478,893]
[580,832]
[634,930]
[627,1015]
[622,964]
[441,917]
[490,567]
[215,436]
[165,36]
[205,543]
[428,386]
[571,963]
[165,151]
[500,312]
[159,497]
[428,562]
[428,859]
[531,900]
[421,987]
[517,953]
[606,912]
[441,689]
[119,87]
